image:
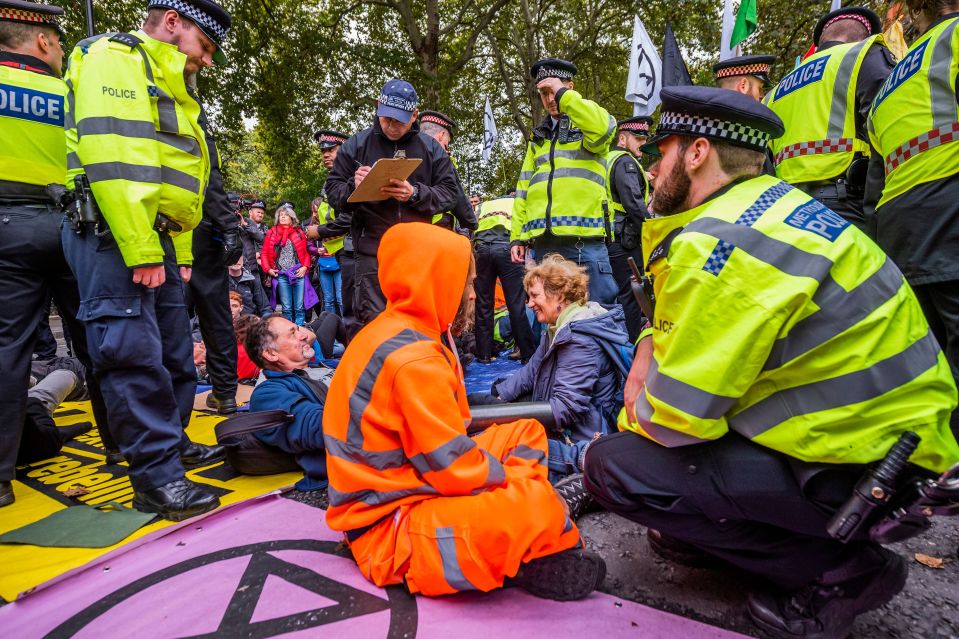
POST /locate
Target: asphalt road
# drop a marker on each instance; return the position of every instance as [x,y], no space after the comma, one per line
[927,607]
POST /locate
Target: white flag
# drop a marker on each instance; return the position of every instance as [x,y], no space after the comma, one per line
[836,4]
[489,131]
[729,21]
[645,72]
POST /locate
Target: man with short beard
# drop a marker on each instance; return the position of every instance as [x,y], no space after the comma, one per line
[786,353]
[420,502]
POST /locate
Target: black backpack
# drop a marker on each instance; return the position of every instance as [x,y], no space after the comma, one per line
[247,454]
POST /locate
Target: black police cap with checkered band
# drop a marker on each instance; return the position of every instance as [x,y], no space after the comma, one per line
[31,13]
[552,68]
[755,65]
[212,19]
[718,114]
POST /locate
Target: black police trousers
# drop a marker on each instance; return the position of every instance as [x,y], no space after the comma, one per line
[209,292]
[368,298]
[32,268]
[492,261]
[624,295]
[748,505]
[940,304]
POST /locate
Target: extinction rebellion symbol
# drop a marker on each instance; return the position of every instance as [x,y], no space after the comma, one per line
[237,619]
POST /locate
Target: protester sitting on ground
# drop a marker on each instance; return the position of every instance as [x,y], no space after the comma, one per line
[243,282]
[580,365]
[41,438]
[419,501]
[246,370]
[285,351]
[286,259]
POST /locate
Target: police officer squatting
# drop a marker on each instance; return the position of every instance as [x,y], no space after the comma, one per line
[734,322]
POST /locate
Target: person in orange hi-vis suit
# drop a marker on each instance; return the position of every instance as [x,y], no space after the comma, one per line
[419,501]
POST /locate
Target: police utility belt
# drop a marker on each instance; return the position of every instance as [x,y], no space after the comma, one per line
[81,208]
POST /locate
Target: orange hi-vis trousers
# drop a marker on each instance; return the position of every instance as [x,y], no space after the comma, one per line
[444,545]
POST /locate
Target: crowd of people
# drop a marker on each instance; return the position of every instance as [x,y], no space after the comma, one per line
[795,312]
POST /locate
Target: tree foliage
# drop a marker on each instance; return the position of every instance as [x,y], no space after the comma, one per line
[298,66]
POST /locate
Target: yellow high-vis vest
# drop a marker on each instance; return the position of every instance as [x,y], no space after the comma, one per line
[616,210]
[562,184]
[134,129]
[495,213]
[817,103]
[777,319]
[33,150]
[325,215]
[914,122]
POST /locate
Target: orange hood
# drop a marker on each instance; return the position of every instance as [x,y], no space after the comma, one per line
[422,272]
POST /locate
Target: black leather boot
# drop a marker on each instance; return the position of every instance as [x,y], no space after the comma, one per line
[222,405]
[196,455]
[177,500]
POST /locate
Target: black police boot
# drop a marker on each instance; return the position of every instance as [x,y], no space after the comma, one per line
[680,552]
[827,608]
[563,576]
[196,455]
[177,500]
[574,493]
[222,405]
[6,493]
[113,456]
[73,431]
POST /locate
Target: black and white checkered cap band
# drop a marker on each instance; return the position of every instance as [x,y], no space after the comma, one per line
[397,102]
[203,20]
[552,72]
[682,123]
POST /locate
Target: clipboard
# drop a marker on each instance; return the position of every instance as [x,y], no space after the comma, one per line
[380,174]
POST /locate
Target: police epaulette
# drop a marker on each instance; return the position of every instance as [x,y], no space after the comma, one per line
[128,39]
[662,249]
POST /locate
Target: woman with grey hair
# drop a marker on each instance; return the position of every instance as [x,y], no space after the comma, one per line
[286,258]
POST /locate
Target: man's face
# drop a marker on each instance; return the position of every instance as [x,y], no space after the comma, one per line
[236,269]
[754,88]
[256,215]
[235,309]
[671,181]
[548,97]
[294,346]
[394,129]
[474,201]
[632,143]
[329,156]
[194,44]
[443,137]
[53,49]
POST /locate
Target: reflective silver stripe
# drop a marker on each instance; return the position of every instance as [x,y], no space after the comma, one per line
[374,498]
[610,130]
[360,397]
[444,456]
[181,143]
[102,171]
[108,125]
[520,193]
[146,62]
[525,175]
[941,90]
[69,118]
[452,572]
[840,95]
[839,310]
[73,162]
[567,525]
[571,154]
[686,397]
[380,459]
[665,436]
[569,172]
[844,390]
[525,452]
[166,112]
[496,474]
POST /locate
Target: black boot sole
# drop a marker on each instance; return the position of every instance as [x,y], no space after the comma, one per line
[566,576]
[175,515]
[192,464]
[7,498]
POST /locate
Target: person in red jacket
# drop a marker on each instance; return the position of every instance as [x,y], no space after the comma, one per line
[419,501]
[245,368]
[286,259]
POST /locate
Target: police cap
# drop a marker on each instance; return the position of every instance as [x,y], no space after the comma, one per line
[867,17]
[212,19]
[708,112]
[31,13]
[258,204]
[640,125]
[553,68]
[328,139]
[754,65]
[441,119]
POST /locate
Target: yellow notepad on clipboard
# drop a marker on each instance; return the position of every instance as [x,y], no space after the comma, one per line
[383,170]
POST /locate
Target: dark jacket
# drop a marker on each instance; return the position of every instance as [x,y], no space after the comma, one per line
[216,206]
[252,237]
[304,398]
[255,301]
[575,374]
[435,179]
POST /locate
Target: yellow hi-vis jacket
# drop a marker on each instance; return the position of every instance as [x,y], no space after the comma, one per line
[495,213]
[914,122]
[562,185]
[31,126]
[133,128]
[817,103]
[777,319]
[325,214]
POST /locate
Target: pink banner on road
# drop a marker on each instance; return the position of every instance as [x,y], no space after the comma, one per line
[271,567]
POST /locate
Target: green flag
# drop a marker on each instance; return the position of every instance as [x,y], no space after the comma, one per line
[745,22]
